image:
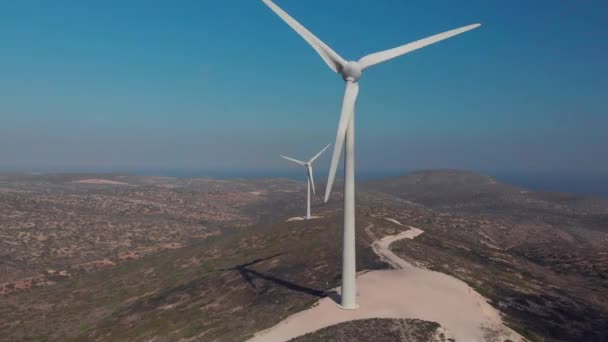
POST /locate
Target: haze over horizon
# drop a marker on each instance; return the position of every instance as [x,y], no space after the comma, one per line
[201,85]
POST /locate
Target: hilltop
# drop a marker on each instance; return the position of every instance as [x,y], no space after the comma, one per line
[478,194]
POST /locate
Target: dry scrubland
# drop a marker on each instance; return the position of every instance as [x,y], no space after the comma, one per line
[378,330]
[54,226]
[142,257]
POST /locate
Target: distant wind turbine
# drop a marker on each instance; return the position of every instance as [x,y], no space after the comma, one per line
[309,176]
[351,72]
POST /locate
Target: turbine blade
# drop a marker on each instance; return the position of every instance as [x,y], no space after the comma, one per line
[348,108]
[294,160]
[318,154]
[333,60]
[312,179]
[383,56]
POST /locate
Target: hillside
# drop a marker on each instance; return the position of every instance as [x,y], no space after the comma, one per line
[441,188]
[225,287]
[56,225]
[469,192]
[541,258]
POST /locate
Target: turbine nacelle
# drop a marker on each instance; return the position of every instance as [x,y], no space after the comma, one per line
[351,71]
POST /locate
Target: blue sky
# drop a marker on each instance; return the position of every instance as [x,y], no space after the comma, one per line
[120,85]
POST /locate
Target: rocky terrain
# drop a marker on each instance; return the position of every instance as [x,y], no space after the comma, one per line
[120,257]
[379,330]
[53,226]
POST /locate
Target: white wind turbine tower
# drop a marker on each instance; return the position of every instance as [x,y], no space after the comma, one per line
[309,176]
[351,72]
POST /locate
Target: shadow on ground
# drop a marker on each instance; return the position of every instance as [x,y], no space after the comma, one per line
[250,275]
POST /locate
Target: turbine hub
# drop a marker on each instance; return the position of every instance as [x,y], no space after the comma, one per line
[351,71]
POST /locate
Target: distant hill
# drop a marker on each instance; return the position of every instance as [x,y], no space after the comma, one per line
[436,188]
[470,192]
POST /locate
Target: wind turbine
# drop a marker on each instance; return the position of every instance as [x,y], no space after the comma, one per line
[351,72]
[309,177]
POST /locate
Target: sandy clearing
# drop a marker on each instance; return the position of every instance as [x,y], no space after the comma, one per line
[302,218]
[406,292]
[394,221]
[100,181]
